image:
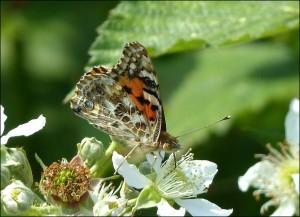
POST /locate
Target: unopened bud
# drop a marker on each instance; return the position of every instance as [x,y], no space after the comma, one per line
[15,160]
[16,198]
[90,149]
[5,177]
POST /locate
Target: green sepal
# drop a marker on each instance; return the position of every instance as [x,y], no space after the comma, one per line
[148,197]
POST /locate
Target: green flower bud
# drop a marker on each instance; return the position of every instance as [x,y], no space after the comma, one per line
[5,177]
[90,149]
[15,160]
[16,198]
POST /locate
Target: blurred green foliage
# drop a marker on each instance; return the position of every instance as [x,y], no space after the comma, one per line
[44,50]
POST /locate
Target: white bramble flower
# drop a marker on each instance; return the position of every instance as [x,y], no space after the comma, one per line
[168,184]
[16,198]
[277,175]
[106,201]
[26,129]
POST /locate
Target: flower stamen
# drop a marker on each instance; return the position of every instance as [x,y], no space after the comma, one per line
[66,182]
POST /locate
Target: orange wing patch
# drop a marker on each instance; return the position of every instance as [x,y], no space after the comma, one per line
[134,88]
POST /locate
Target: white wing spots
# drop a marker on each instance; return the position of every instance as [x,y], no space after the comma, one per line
[107,104]
[127,102]
[107,81]
[146,61]
[132,66]
[135,118]
[126,59]
[135,50]
[145,73]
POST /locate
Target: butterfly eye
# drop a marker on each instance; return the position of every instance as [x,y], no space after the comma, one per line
[167,147]
[89,105]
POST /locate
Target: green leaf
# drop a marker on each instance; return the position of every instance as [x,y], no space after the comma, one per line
[201,87]
[168,27]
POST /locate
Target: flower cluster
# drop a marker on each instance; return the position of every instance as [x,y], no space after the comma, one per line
[172,188]
[70,189]
[16,176]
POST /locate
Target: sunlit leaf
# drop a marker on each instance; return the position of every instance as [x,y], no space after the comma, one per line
[167,27]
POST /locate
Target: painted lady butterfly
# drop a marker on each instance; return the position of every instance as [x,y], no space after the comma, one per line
[124,101]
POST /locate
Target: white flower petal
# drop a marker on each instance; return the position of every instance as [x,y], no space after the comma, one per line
[286,208]
[292,125]
[255,174]
[26,129]
[101,209]
[164,209]
[200,172]
[296,181]
[159,158]
[3,119]
[202,207]
[130,173]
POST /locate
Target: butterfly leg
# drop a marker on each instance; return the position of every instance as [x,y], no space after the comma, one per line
[175,163]
[127,156]
[152,166]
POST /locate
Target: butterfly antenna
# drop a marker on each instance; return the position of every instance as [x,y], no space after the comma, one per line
[223,119]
